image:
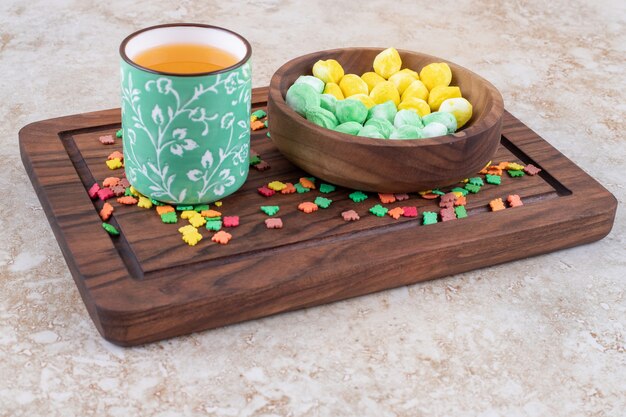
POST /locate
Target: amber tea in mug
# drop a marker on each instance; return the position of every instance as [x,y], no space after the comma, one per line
[185,58]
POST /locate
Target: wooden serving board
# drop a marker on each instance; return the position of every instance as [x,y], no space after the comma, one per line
[147,285]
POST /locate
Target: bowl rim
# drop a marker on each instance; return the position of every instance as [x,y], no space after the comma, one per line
[497,104]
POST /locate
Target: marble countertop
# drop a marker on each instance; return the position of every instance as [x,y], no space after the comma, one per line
[542,336]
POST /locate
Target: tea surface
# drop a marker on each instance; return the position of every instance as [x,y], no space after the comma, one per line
[185,58]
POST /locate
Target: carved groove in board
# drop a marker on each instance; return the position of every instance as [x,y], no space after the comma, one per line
[86,177]
[526,159]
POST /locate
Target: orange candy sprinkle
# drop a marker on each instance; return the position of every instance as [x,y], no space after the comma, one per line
[396,212]
[106,211]
[127,200]
[307,207]
[496,204]
[222,237]
[386,198]
[307,183]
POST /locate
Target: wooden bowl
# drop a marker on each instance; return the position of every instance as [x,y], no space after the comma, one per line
[382,165]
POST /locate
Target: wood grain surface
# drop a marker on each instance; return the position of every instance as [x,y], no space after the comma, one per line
[147,285]
[386,165]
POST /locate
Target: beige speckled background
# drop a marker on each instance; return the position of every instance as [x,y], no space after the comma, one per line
[539,337]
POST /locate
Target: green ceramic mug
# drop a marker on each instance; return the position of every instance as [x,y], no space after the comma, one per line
[186,136]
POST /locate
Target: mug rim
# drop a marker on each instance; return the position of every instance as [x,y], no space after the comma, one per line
[239,63]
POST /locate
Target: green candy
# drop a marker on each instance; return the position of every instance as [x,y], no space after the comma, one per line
[350,128]
[407,117]
[445,118]
[328,102]
[371,132]
[350,111]
[300,96]
[382,125]
[434,129]
[386,110]
[213,225]
[110,229]
[317,84]
[406,132]
[321,117]
[259,114]
[323,202]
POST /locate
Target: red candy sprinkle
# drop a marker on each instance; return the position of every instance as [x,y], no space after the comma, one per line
[93,191]
[266,192]
[105,194]
[230,221]
[530,169]
[410,211]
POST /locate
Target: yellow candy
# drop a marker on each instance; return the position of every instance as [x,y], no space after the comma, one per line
[460,108]
[365,99]
[385,91]
[192,238]
[352,84]
[114,163]
[187,229]
[276,185]
[418,105]
[371,79]
[440,93]
[334,90]
[416,89]
[436,74]
[329,71]
[144,202]
[410,72]
[197,220]
[402,80]
[387,63]
[515,166]
[188,214]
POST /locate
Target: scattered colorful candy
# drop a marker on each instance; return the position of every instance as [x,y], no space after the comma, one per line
[451,201]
